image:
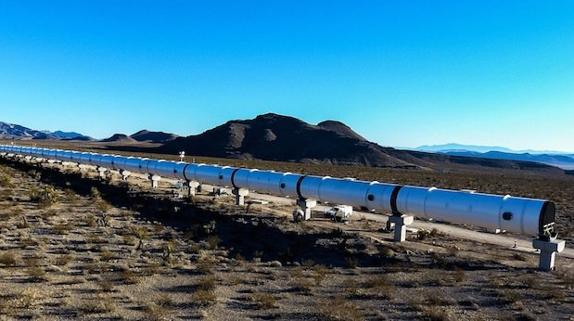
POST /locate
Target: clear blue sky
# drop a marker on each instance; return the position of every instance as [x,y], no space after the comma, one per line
[402,73]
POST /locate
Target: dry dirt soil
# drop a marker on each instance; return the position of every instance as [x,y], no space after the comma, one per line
[79,248]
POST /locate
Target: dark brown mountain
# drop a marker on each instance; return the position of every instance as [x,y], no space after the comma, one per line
[341,129]
[123,138]
[153,137]
[277,137]
[283,138]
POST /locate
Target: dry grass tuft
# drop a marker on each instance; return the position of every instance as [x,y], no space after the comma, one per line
[156,312]
[204,298]
[62,228]
[9,258]
[63,260]
[44,197]
[37,273]
[100,304]
[129,277]
[263,301]
[339,309]
[205,293]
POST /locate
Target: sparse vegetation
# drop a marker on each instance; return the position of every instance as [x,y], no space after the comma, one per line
[339,309]
[142,267]
[45,197]
[263,301]
[9,258]
[100,304]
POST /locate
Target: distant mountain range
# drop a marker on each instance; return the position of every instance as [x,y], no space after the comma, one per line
[453,147]
[13,131]
[553,158]
[283,138]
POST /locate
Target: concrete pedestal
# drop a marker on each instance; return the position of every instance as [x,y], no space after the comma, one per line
[303,210]
[548,250]
[240,194]
[125,174]
[102,172]
[400,223]
[154,181]
[192,188]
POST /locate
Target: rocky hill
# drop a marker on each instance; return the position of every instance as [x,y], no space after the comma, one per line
[153,137]
[284,138]
[277,137]
[123,138]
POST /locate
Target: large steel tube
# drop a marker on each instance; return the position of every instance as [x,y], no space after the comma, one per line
[514,214]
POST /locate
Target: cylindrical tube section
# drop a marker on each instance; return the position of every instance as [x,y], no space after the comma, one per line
[514,214]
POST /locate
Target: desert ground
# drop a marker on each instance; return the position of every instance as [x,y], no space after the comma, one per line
[77,247]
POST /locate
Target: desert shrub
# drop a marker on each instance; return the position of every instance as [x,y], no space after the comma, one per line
[106,255]
[37,273]
[5,181]
[29,241]
[303,285]
[508,295]
[204,297]
[459,275]
[70,196]
[47,214]
[100,304]
[156,312]
[23,223]
[204,294]
[9,258]
[339,309]
[62,228]
[435,313]
[103,206]
[381,285]
[152,269]
[130,277]
[531,282]
[90,220]
[165,300]
[94,267]
[63,260]
[106,284]
[168,249]
[264,301]
[205,263]
[29,297]
[45,197]
[351,289]
[141,233]
[319,274]
[207,283]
